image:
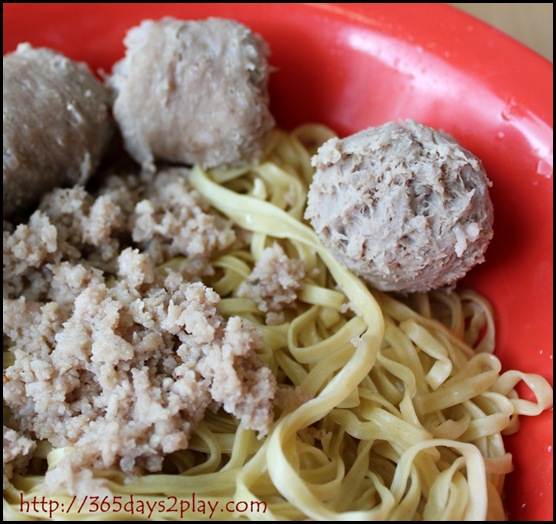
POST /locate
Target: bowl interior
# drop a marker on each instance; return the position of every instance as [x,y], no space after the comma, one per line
[351,66]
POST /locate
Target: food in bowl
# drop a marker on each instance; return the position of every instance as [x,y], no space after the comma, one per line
[330,345]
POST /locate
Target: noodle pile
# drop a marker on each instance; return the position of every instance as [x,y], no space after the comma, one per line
[394,409]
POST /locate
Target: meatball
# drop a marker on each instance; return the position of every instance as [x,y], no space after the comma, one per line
[193,92]
[56,122]
[402,205]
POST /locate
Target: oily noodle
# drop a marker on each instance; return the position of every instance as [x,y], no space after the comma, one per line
[401,405]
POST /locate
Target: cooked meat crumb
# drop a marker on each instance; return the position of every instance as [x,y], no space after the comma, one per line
[288,399]
[159,214]
[402,205]
[17,450]
[274,283]
[114,356]
[129,370]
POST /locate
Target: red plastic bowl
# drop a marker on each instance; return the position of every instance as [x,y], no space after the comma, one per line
[355,65]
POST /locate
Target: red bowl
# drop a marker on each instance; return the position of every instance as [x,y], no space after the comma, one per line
[355,65]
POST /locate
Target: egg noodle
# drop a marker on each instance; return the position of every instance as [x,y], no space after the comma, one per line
[402,404]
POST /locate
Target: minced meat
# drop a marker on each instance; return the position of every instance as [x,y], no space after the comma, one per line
[159,214]
[16,451]
[114,354]
[129,370]
[274,283]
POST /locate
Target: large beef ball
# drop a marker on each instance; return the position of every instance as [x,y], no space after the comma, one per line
[402,205]
[193,92]
[56,123]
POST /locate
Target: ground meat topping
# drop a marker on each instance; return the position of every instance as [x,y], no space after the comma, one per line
[159,214]
[274,283]
[115,354]
[16,452]
[133,367]
[174,221]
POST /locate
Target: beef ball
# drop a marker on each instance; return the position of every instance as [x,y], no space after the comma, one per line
[193,92]
[56,122]
[402,205]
